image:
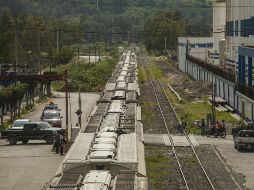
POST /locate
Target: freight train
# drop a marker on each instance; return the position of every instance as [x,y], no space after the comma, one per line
[108,153]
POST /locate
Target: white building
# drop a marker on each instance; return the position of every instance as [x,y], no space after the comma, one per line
[235,20]
[217,54]
[239,28]
[206,48]
[197,47]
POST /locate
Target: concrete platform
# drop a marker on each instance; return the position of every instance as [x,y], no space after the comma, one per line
[163,139]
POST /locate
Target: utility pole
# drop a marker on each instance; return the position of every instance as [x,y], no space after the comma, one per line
[78,53]
[112,20]
[89,54]
[99,53]
[165,43]
[57,40]
[95,54]
[68,133]
[128,37]
[79,111]
[16,51]
[213,105]
[97,4]
[70,111]
[38,43]
[187,47]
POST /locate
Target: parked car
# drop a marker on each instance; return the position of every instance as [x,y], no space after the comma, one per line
[244,139]
[52,106]
[53,117]
[31,131]
[19,123]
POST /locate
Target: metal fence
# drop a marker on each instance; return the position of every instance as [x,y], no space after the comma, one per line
[212,68]
[243,89]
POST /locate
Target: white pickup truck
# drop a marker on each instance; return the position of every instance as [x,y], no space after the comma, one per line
[244,139]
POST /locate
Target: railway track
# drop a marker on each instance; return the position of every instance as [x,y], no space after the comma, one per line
[190,168]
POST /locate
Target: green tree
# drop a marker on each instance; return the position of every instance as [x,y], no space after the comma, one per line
[163,25]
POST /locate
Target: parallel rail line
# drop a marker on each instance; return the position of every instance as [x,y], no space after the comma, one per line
[171,120]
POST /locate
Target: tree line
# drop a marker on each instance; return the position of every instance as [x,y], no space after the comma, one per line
[34,37]
[162,31]
[11,98]
[119,16]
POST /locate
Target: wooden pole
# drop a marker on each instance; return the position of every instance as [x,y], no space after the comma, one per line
[66,104]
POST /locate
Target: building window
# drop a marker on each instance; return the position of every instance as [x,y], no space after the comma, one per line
[242,28]
[227,29]
[236,27]
[230,28]
[252,26]
[246,27]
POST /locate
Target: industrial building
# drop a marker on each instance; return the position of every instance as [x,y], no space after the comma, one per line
[226,58]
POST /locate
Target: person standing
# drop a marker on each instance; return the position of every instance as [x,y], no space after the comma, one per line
[57,142]
[203,127]
[183,123]
[181,126]
[62,144]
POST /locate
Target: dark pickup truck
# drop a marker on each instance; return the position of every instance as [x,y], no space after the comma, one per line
[31,131]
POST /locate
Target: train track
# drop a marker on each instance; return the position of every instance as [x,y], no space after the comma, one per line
[190,167]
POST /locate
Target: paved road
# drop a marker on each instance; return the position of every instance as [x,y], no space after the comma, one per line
[29,167]
[240,162]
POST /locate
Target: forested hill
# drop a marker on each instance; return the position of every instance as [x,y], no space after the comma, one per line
[126,15]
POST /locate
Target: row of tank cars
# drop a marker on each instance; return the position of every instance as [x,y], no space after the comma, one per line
[108,153]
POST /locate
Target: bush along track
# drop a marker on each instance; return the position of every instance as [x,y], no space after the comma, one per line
[87,76]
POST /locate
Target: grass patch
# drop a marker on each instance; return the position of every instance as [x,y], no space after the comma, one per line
[172,97]
[191,161]
[142,76]
[147,112]
[158,166]
[195,110]
[155,71]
